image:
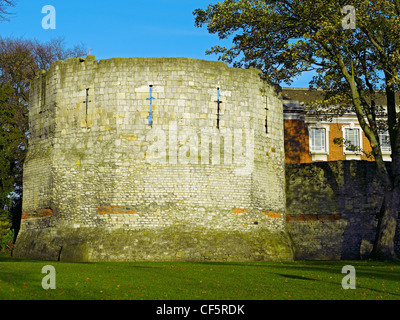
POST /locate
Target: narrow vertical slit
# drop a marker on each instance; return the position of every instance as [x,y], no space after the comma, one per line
[266,115]
[218,107]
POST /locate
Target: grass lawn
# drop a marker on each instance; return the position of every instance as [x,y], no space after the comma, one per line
[300,280]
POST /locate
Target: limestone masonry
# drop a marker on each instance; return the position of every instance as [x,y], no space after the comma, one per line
[332,209]
[204,181]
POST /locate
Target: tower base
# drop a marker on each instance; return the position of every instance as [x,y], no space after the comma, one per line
[176,243]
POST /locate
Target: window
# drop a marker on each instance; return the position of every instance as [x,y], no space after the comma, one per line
[384,141]
[352,139]
[317,140]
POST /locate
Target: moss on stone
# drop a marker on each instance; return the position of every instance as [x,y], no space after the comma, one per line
[170,243]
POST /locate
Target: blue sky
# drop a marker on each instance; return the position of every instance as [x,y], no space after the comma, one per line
[120,28]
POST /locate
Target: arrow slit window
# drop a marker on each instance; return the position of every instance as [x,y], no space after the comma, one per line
[218,107]
[266,115]
[86,102]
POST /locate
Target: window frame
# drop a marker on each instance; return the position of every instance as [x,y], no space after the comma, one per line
[360,139]
[389,149]
[310,144]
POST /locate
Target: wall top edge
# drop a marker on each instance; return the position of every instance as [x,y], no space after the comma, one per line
[91,59]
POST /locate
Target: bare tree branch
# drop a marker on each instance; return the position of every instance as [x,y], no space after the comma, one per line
[4,5]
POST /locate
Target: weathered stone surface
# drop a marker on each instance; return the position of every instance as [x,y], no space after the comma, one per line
[333,208]
[101,184]
[171,243]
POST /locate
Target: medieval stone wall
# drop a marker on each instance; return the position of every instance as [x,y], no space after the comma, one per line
[333,208]
[100,183]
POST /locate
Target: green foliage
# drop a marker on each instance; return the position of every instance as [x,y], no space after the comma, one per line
[285,38]
[20,61]
[5,225]
[8,135]
[341,142]
[6,235]
[7,243]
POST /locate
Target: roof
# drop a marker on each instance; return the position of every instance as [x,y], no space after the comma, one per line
[306,95]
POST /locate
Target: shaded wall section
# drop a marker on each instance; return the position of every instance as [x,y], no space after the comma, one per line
[333,208]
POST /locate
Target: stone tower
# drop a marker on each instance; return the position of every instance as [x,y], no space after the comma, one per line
[153,159]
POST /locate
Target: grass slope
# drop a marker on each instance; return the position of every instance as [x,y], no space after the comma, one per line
[300,280]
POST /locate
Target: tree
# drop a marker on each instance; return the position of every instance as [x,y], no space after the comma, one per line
[53,50]
[285,38]
[8,136]
[20,62]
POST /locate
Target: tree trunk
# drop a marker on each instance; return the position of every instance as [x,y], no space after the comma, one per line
[384,240]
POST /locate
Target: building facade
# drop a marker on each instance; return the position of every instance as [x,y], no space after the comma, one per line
[308,139]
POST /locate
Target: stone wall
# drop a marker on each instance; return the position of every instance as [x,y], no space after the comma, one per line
[332,209]
[100,183]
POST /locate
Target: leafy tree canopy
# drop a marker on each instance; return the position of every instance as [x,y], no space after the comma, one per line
[20,62]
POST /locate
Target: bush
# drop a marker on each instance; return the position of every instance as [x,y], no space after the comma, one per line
[6,236]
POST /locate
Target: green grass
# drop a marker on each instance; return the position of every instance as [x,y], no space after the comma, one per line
[300,280]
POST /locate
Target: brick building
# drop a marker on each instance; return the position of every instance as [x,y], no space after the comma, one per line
[308,139]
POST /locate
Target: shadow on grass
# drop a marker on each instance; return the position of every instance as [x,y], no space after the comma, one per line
[393,276]
[20,271]
[296,277]
[365,269]
[13,260]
